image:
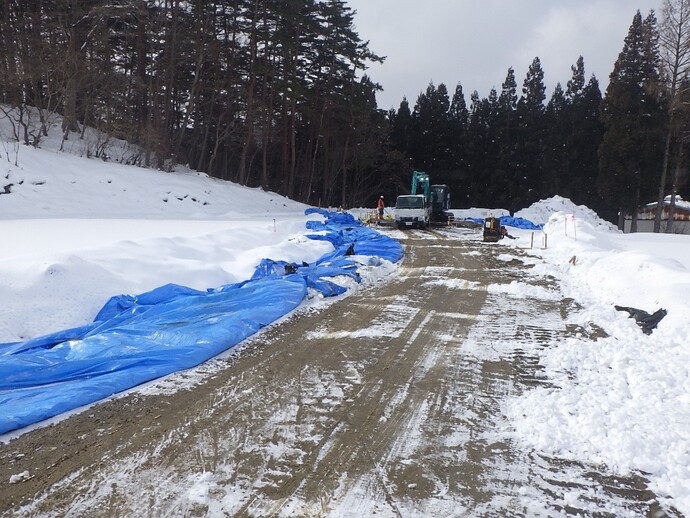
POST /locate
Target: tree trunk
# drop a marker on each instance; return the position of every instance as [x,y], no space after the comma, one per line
[633,222]
[242,172]
[343,186]
[662,182]
[73,69]
[671,212]
[674,190]
[293,151]
[266,139]
[8,61]
[142,117]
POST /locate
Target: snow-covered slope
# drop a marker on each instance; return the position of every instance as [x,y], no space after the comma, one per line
[76,231]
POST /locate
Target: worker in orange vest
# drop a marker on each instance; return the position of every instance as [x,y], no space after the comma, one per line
[379,206]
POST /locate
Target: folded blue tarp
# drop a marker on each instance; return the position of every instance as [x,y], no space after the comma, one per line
[134,339]
[509,221]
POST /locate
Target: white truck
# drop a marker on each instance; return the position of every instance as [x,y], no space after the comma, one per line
[418,210]
[412,210]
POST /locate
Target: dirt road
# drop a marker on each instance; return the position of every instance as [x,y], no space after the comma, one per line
[387,403]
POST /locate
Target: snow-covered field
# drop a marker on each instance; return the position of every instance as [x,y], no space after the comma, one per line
[77,231]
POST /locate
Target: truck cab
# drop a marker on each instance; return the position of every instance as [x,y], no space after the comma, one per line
[412,210]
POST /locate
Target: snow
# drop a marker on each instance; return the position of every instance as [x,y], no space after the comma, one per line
[622,400]
[76,231]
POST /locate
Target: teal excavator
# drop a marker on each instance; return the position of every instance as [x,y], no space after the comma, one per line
[424,204]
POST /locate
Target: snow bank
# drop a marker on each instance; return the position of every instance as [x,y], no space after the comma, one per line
[622,400]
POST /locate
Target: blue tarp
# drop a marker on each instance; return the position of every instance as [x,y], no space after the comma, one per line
[134,339]
[509,221]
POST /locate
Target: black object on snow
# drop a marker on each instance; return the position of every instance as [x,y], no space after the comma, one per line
[646,321]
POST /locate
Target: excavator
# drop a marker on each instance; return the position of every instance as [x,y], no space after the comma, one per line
[425,204]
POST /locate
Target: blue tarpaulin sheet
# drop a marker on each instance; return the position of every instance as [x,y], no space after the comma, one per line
[509,221]
[134,339]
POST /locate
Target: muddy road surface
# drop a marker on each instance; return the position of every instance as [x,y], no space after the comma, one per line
[385,403]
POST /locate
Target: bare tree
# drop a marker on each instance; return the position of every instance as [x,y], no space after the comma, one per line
[674,40]
[682,141]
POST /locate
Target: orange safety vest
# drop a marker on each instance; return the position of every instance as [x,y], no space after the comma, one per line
[380,204]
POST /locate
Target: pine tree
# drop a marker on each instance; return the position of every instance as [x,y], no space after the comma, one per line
[482,152]
[458,116]
[585,131]
[556,151]
[531,134]
[507,175]
[588,134]
[576,84]
[401,128]
[430,146]
[632,113]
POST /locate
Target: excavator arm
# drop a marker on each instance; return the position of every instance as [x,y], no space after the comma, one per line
[421,184]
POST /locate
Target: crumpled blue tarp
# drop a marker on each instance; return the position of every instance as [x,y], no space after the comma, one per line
[509,221]
[134,339]
[45,377]
[343,230]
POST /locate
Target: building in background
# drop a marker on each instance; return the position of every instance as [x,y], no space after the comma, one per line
[646,215]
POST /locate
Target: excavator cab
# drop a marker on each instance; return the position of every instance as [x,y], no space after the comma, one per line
[492,229]
[440,204]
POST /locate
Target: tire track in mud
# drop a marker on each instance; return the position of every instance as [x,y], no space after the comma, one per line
[386,403]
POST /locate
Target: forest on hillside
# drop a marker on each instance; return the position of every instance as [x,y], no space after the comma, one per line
[274,93]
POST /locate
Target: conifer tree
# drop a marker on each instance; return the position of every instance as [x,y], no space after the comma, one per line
[585,131]
[431,130]
[588,135]
[556,151]
[632,113]
[531,134]
[458,116]
[576,84]
[458,120]
[261,92]
[401,128]
[506,132]
[483,151]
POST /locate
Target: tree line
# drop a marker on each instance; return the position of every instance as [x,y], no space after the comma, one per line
[266,93]
[274,93]
[611,152]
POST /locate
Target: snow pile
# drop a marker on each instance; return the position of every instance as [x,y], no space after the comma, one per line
[622,400]
[541,211]
[478,213]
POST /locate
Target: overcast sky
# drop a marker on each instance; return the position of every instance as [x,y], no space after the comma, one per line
[474,42]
